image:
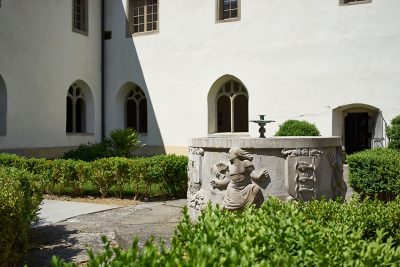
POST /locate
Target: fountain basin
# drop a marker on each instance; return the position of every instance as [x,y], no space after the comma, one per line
[300,168]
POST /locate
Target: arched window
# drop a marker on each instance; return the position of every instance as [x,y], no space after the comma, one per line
[3,107]
[136,110]
[76,109]
[232,108]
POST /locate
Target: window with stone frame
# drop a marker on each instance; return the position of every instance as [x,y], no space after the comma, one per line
[143,16]
[232,108]
[136,110]
[228,10]
[352,2]
[80,16]
[76,110]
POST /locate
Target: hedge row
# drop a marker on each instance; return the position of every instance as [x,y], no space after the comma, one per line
[375,172]
[163,175]
[316,233]
[19,203]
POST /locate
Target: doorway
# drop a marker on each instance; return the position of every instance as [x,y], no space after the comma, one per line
[357,132]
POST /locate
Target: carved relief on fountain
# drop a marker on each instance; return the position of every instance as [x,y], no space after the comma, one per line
[238,180]
[312,173]
[301,178]
[195,195]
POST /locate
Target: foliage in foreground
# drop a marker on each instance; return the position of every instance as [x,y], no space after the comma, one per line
[393,133]
[158,176]
[316,233]
[19,204]
[297,128]
[375,172]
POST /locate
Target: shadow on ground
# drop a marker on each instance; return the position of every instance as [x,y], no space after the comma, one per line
[51,240]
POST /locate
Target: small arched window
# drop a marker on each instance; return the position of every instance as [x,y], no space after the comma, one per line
[136,110]
[232,108]
[76,109]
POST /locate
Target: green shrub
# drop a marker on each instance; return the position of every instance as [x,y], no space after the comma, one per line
[19,204]
[297,128]
[124,141]
[106,173]
[91,151]
[71,174]
[120,143]
[158,176]
[375,172]
[11,160]
[316,233]
[393,133]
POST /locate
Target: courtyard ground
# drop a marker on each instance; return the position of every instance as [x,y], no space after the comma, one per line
[67,229]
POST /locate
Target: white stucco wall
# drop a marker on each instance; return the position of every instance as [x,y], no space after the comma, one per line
[40,57]
[298,60]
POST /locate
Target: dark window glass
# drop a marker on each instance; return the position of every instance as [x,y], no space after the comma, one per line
[224,114]
[143,116]
[131,114]
[241,116]
[69,115]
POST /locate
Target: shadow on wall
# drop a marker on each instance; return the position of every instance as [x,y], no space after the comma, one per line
[3,107]
[123,74]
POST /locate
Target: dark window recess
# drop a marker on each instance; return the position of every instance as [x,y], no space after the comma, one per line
[224,114]
[131,114]
[228,9]
[107,35]
[80,16]
[69,115]
[357,132]
[136,110]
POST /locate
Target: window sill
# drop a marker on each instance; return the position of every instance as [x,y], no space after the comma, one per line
[228,20]
[144,33]
[355,3]
[85,33]
[79,134]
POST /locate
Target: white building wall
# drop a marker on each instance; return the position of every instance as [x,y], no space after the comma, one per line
[298,60]
[40,57]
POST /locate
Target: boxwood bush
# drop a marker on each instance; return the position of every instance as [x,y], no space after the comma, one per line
[19,203]
[158,176]
[375,173]
[316,233]
[393,133]
[297,128]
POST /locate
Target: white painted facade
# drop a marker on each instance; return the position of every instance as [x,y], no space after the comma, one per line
[40,57]
[310,60]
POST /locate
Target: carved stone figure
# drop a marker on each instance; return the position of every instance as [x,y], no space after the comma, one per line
[195,196]
[237,177]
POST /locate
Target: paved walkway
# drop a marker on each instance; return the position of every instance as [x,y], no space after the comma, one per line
[67,228]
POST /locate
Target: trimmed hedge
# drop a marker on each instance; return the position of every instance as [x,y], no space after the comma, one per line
[393,133]
[158,176]
[316,233]
[19,204]
[297,128]
[375,173]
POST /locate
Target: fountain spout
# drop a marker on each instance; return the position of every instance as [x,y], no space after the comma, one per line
[262,122]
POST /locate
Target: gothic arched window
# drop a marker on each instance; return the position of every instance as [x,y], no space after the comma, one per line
[232,108]
[136,110]
[76,109]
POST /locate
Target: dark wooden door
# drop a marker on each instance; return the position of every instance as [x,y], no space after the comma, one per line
[357,132]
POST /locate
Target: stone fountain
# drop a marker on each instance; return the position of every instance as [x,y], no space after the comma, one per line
[300,168]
